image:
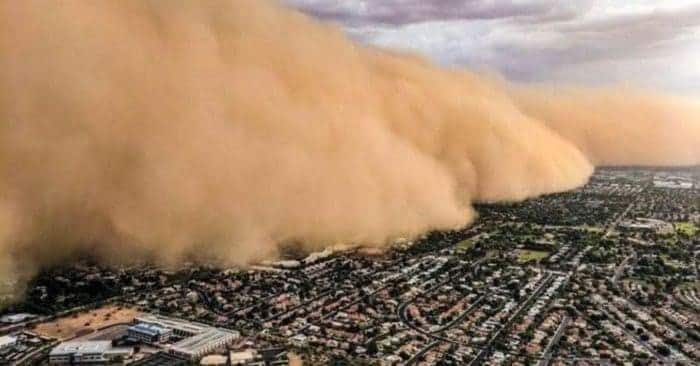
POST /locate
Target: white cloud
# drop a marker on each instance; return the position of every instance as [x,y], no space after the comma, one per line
[644,42]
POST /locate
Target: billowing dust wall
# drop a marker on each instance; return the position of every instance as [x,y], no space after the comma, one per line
[173,130]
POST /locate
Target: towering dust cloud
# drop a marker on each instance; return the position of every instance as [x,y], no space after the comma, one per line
[169,130]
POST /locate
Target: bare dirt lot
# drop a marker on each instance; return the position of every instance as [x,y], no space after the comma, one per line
[81,324]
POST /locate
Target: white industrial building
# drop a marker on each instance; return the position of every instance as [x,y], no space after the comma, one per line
[197,346]
[649,225]
[16,318]
[199,339]
[87,352]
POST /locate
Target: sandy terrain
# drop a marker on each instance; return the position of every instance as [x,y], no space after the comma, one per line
[81,324]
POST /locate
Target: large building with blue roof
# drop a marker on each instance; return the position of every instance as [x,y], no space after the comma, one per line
[149,333]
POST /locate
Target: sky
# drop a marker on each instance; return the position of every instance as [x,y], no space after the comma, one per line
[647,43]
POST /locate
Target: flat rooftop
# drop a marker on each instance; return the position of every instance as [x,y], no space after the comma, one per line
[173,323]
[68,348]
[151,329]
[201,341]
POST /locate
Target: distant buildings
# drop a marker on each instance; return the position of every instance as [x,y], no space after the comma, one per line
[650,225]
[14,347]
[88,352]
[619,287]
[672,182]
[16,318]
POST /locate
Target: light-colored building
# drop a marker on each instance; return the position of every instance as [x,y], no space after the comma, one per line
[7,342]
[251,357]
[242,357]
[149,333]
[299,340]
[199,339]
[649,225]
[17,318]
[214,360]
[673,182]
[87,352]
[182,328]
[197,346]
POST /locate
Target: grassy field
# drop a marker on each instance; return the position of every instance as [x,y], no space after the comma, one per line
[670,262]
[690,285]
[687,229]
[532,255]
[465,245]
[81,324]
